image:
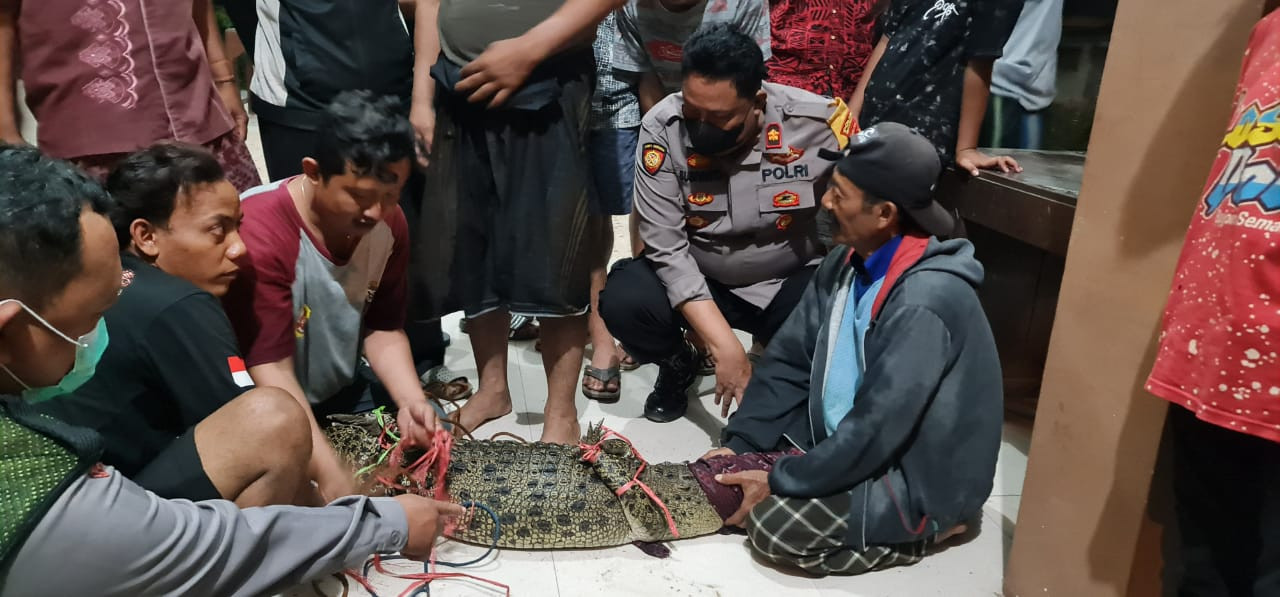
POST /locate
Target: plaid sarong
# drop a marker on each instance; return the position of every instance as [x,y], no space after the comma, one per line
[812,534]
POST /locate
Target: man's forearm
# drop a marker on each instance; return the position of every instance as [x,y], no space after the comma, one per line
[973,104]
[860,91]
[571,24]
[707,320]
[426,49]
[211,34]
[9,131]
[122,531]
[392,361]
[649,91]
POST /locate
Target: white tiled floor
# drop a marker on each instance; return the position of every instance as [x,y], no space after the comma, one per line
[715,565]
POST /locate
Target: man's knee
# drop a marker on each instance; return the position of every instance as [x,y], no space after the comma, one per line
[618,301]
[780,535]
[272,418]
[769,535]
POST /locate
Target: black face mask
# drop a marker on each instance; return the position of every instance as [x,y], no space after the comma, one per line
[708,139]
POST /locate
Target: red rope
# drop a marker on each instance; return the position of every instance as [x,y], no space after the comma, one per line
[434,460]
[364,582]
[422,578]
[901,514]
[591,453]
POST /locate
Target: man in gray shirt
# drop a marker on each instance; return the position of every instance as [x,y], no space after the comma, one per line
[70,526]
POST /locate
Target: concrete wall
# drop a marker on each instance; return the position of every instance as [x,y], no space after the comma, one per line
[1084,527]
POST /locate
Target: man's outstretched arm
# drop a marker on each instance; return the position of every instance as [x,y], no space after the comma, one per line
[124,540]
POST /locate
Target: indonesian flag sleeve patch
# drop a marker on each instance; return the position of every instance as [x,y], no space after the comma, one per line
[239,373]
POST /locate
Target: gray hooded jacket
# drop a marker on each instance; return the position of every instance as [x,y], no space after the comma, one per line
[917,453]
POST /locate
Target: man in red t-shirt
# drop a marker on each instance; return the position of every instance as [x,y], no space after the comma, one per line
[323,283]
[1218,349]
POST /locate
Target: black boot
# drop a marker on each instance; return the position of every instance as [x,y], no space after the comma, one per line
[670,396]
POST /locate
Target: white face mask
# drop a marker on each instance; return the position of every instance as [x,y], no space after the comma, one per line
[89,350]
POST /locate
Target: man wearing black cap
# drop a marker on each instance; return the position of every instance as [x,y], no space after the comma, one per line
[886,376]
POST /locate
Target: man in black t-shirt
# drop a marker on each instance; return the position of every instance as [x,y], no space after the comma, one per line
[932,72]
[176,408]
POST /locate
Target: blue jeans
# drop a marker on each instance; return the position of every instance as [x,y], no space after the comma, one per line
[613,165]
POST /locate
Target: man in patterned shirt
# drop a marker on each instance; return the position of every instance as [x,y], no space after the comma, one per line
[931,71]
[652,33]
[615,125]
[105,79]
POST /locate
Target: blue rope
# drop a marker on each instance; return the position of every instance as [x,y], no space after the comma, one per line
[425,589]
[497,533]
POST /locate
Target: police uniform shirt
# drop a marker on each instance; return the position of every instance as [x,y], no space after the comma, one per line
[749,223]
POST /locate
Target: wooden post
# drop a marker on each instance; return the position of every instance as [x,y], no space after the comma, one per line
[1083,527]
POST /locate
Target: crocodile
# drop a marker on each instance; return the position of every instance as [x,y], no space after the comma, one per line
[548,496]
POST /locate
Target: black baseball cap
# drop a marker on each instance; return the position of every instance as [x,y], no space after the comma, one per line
[893,162]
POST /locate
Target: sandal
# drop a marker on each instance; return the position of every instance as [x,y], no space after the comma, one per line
[605,377]
[523,328]
[446,385]
[627,363]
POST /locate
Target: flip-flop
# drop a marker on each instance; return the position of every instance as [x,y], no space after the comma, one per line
[604,376]
[627,363]
[523,328]
[446,385]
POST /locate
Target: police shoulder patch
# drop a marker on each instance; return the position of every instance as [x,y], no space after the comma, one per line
[773,136]
[652,157]
[842,121]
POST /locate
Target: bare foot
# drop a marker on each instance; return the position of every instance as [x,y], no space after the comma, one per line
[482,408]
[560,430]
[959,529]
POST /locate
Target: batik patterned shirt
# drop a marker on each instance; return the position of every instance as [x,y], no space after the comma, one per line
[821,46]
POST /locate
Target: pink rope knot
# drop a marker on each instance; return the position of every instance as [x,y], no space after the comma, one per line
[435,459]
[591,453]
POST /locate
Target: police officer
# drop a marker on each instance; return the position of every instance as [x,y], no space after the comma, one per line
[728,182]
